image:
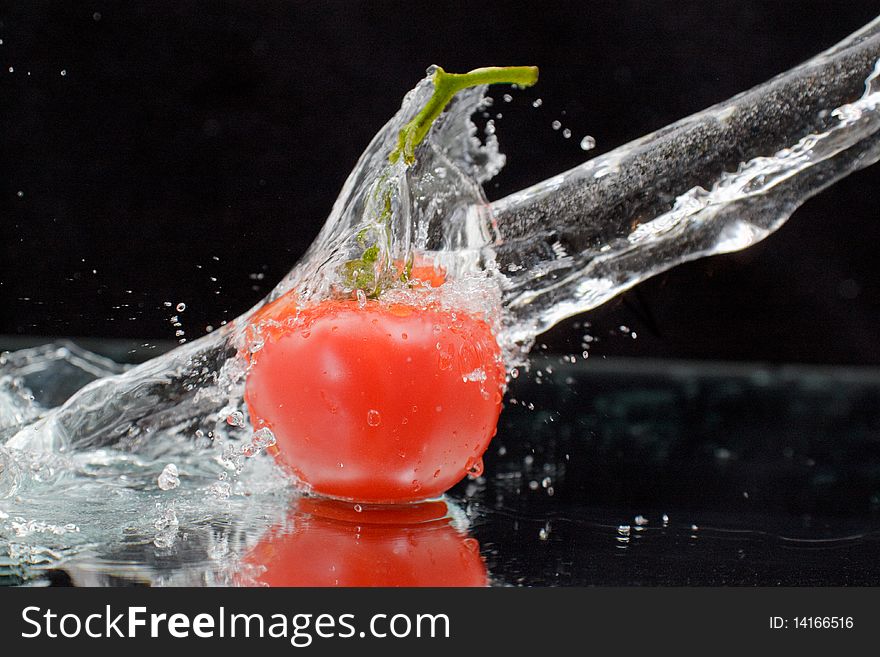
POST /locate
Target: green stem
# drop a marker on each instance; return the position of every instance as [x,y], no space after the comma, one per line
[446,85]
[360,273]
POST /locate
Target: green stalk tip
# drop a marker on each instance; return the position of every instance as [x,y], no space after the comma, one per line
[446,85]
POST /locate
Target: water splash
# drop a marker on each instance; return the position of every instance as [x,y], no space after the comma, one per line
[102,439]
[715,182]
[439,211]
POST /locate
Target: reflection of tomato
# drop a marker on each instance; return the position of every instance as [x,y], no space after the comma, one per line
[376,402]
[331,545]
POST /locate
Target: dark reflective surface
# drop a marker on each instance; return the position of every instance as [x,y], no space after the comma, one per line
[607,472]
[670,473]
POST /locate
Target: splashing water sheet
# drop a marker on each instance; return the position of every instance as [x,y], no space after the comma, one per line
[154,473]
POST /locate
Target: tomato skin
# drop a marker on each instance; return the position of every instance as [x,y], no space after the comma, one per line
[377,402]
[377,547]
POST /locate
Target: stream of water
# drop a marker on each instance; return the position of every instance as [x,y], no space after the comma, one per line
[125,464]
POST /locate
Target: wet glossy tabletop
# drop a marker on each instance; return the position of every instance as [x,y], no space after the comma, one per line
[625,472]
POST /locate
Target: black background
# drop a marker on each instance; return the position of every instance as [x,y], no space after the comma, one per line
[195,141]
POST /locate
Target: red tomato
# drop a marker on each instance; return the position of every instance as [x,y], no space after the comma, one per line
[424,270]
[330,545]
[376,402]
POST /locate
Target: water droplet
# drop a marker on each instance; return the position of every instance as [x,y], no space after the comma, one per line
[537,102]
[374,419]
[640,521]
[478,374]
[544,533]
[96,16]
[403,336]
[361,298]
[181,307]
[165,540]
[556,125]
[588,143]
[358,508]
[468,359]
[63,72]
[723,454]
[235,419]
[475,468]
[264,438]
[445,358]
[169,478]
[507,98]
[221,490]
[19,194]
[566,133]
[417,485]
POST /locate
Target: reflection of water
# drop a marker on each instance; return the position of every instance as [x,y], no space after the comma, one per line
[627,472]
[103,514]
[605,547]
